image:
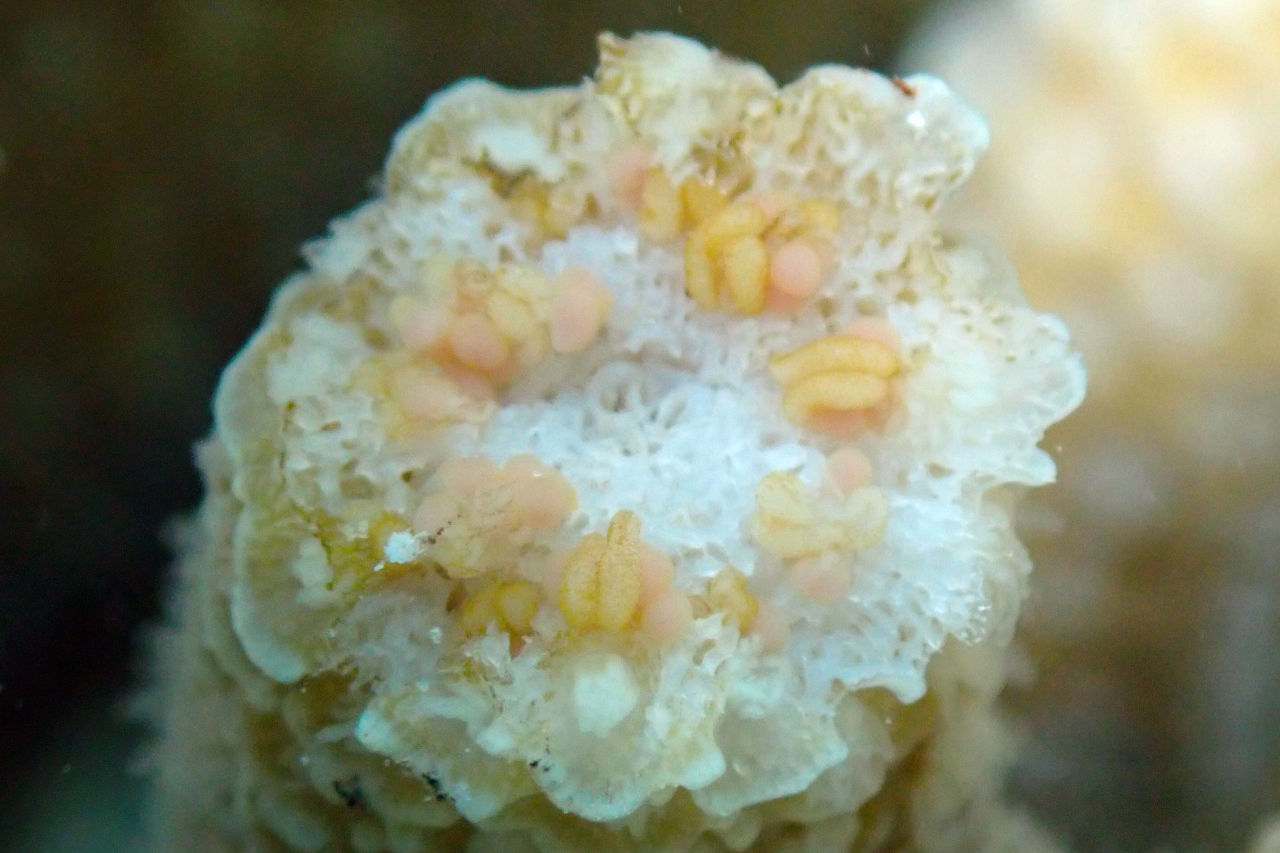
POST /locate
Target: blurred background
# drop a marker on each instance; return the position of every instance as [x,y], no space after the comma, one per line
[162,162]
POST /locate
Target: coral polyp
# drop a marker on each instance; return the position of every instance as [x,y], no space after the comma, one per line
[633,473]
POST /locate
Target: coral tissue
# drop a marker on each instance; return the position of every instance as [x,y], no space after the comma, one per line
[634,473]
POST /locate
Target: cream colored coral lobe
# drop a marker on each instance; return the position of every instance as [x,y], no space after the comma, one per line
[634,473]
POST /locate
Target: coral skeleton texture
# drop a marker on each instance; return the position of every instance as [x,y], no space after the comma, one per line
[634,473]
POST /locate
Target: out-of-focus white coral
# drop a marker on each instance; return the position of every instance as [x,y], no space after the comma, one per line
[634,473]
[1267,837]
[1135,179]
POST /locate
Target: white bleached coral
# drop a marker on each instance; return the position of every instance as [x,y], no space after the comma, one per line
[466,588]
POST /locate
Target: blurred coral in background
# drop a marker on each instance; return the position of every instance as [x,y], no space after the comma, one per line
[1134,177]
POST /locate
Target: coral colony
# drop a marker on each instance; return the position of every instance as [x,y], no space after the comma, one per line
[635,473]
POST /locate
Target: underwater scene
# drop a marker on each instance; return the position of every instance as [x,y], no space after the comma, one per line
[829,426]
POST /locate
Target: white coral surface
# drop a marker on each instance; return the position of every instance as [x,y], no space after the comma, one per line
[398,648]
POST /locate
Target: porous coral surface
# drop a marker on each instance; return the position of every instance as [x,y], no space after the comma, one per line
[634,473]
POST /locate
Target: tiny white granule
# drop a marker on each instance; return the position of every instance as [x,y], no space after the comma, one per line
[603,694]
[401,547]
